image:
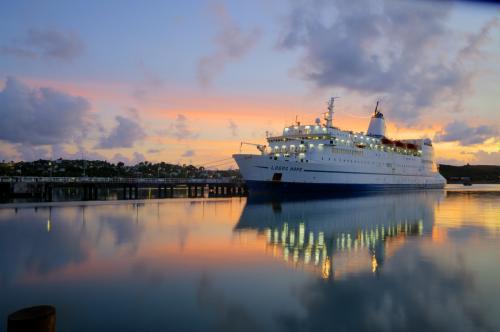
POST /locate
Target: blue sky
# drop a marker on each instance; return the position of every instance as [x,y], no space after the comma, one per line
[196,67]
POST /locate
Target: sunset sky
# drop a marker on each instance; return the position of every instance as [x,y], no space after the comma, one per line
[187,81]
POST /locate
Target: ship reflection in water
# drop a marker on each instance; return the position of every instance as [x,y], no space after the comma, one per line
[415,261]
[341,236]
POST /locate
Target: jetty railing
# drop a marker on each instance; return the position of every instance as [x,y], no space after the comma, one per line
[91,188]
[53,179]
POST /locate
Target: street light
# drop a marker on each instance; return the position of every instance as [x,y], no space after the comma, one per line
[50,168]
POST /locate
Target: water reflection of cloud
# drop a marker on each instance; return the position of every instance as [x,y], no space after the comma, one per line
[124,229]
[471,212]
[416,296]
[35,244]
[229,316]
[26,248]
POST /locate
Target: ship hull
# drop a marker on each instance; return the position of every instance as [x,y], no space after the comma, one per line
[265,175]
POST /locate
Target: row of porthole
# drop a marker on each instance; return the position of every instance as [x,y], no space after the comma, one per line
[351,161]
[367,162]
[348,161]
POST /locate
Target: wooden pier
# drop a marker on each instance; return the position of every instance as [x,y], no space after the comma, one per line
[129,188]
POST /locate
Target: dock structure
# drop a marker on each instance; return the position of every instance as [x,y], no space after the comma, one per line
[92,188]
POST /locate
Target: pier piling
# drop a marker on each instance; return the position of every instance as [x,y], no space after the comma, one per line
[128,188]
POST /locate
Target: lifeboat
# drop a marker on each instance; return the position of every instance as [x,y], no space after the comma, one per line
[400,144]
[386,141]
[411,146]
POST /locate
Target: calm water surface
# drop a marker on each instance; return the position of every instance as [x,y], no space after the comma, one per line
[419,261]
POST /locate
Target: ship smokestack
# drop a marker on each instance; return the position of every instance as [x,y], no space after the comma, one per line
[377,124]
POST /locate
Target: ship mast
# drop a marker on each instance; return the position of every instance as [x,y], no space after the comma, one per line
[329,114]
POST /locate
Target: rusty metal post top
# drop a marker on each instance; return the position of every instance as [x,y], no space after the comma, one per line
[41,318]
[33,313]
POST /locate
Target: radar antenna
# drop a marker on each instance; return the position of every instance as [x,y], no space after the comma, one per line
[377,113]
[329,115]
[376,108]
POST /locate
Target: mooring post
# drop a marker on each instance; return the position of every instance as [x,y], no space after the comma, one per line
[36,319]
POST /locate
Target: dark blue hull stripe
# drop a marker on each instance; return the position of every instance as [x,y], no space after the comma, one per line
[286,187]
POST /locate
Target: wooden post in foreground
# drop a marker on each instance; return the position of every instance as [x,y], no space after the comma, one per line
[40,318]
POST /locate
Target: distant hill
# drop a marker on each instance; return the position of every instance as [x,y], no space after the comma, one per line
[477,173]
[102,168]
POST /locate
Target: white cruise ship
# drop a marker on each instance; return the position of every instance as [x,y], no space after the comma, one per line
[323,158]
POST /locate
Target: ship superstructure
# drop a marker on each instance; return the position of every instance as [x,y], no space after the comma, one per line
[323,157]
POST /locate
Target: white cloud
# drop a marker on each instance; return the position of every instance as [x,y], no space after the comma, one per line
[48,43]
[400,49]
[124,135]
[41,116]
[232,43]
[461,132]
